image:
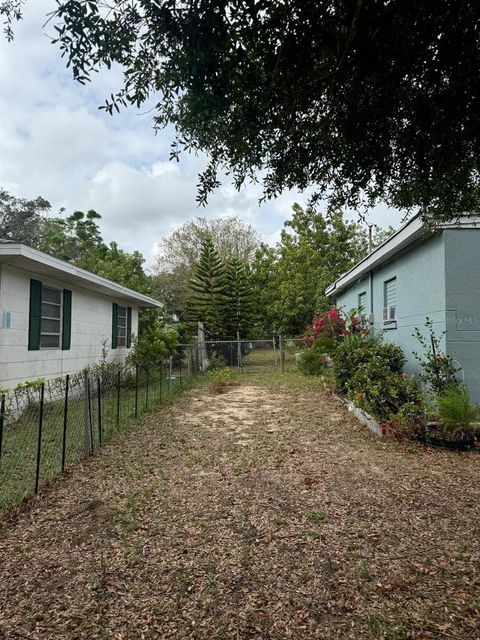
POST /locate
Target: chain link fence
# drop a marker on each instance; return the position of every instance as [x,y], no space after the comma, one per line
[249,356]
[45,428]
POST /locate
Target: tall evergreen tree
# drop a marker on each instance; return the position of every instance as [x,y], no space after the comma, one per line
[207,291]
[239,310]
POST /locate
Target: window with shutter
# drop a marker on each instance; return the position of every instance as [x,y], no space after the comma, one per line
[121,326]
[50,317]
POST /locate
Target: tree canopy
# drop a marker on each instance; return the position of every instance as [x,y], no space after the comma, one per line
[75,238]
[178,254]
[290,279]
[365,100]
[21,219]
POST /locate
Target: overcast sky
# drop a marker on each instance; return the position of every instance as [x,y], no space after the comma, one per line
[55,142]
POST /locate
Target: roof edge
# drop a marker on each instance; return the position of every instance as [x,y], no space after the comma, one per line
[408,233]
[61,266]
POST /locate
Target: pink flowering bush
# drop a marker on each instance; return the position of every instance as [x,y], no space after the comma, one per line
[334,325]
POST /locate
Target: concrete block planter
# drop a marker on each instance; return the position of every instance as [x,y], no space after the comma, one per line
[380,429]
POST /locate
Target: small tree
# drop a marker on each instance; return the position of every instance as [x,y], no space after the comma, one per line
[239,308]
[208,291]
[438,369]
[154,345]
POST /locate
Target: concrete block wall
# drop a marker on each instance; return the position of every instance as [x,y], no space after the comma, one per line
[91,324]
[420,276]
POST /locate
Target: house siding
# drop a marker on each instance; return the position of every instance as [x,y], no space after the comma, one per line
[462,260]
[420,285]
[91,325]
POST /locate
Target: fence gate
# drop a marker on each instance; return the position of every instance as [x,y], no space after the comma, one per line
[249,356]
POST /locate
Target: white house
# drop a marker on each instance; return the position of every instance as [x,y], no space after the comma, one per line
[55,317]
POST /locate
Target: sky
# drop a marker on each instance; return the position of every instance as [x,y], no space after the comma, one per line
[55,142]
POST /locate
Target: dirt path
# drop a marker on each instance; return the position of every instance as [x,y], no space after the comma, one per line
[252,514]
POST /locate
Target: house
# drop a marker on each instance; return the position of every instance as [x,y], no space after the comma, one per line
[418,273]
[55,317]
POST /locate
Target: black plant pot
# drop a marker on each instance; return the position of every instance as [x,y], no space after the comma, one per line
[432,438]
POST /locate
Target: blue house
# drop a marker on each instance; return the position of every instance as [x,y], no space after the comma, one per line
[418,273]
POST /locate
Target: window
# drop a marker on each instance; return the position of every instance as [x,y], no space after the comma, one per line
[50,317]
[390,300]
[121,326]
[362,302]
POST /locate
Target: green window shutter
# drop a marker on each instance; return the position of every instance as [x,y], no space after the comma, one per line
[35,314]
[129,327]
[67,320]
[114,324]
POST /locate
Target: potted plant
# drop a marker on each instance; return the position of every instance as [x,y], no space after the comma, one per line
[457,423]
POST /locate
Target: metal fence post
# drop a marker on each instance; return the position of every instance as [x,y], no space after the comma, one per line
[87,445]
[136,390]
[146,390]
[90,422]
[161,375]
[282,354]
[2,420]
[39,442]
[274,352]
[180,370]
[239,351]
[65,420]
[170,373]
[117,419]
[99,403]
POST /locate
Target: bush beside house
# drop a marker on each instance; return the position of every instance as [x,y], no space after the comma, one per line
[368,372]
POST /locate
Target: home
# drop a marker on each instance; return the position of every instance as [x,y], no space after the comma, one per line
[417,273]
[56,318]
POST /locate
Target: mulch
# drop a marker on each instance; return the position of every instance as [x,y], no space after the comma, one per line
[258,513]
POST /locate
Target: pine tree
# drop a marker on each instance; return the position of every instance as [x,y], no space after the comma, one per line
[239,298]
[207,298]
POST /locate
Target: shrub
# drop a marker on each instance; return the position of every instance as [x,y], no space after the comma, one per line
[457,413]
[333,325]
[216,362]
[385,393]
[219,378]
[154,345]
[357,350]
[312,362]
[439,371]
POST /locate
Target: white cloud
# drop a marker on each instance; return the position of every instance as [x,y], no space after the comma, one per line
[56,143]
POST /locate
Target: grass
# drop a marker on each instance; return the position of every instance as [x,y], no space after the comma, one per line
[18,462]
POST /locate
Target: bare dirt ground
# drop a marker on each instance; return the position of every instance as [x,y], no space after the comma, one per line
[265,512]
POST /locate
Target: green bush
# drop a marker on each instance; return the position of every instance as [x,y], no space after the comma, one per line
[357,350]
[154,345]
[219,378]
[385,393]
[324,344]
[312,363]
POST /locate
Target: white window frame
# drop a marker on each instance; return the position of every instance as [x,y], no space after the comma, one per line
[42,317]
[360,295]
[392,323]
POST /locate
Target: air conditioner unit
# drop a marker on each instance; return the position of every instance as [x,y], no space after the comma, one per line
[369,318]
[389,314]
